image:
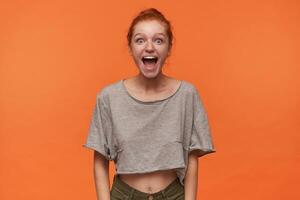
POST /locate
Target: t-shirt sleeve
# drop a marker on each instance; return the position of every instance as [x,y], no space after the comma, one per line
[201,139]
[100,137]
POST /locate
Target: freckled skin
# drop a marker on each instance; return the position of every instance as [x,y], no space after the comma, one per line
[150,38]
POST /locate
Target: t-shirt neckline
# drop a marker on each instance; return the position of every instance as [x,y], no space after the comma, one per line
[153,101]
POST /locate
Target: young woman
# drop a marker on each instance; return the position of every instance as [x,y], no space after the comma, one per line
[154,127]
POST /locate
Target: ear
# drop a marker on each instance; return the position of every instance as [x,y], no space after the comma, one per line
[129,51]
[169,50]
[169,53]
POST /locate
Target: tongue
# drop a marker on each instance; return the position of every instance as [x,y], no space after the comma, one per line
[149,64]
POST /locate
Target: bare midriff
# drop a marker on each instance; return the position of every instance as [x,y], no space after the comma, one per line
[150,182]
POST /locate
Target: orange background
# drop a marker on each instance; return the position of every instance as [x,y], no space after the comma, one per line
[243,56]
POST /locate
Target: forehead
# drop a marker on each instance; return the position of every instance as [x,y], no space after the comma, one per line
[149,27]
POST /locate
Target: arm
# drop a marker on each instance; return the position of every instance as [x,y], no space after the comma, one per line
[191,179]
[101,176]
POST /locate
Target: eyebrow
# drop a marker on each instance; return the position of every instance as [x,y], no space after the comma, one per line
[154,34]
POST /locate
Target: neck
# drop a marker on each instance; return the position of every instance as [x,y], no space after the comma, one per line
[151,84]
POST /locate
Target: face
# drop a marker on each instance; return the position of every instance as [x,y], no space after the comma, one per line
[149,47]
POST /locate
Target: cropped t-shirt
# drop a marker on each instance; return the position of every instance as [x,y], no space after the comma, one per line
[146,136]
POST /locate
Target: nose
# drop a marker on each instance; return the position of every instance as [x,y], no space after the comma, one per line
[149,47]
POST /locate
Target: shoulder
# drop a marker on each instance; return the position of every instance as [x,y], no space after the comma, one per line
[190,87]
[108,90]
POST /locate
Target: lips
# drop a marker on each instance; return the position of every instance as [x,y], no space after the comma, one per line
[149,59]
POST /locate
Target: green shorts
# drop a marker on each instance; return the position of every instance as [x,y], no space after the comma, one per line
[122,191]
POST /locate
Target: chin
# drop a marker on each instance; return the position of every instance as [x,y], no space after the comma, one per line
[150,74]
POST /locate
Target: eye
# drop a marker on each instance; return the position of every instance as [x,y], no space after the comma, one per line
[159,40]
[139,40]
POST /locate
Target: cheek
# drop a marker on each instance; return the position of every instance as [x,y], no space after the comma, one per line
[164,51]
[135,55]
[136,50]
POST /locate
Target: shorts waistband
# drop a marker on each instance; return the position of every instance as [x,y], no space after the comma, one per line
[123,187]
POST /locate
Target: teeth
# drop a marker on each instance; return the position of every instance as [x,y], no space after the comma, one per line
[152,58]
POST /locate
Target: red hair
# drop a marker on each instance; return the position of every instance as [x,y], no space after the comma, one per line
[150,14]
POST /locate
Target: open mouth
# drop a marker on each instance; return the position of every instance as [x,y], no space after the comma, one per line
[149,60]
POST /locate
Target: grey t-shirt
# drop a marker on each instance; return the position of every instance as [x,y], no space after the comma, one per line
[143,137]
